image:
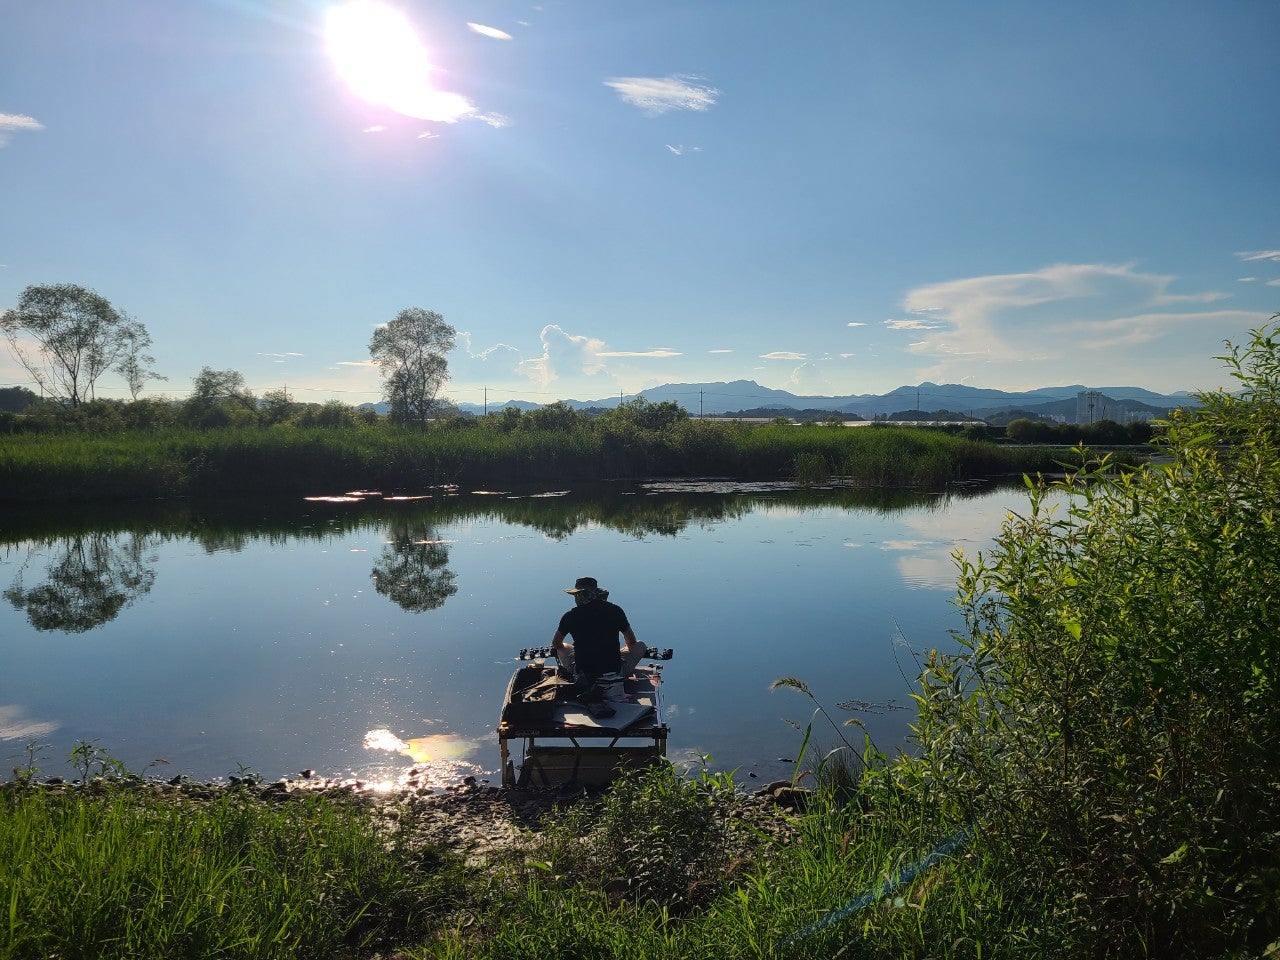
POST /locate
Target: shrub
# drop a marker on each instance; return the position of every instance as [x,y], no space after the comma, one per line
[1109,726]
[657,837]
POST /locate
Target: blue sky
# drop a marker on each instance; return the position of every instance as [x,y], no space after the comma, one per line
[825,197]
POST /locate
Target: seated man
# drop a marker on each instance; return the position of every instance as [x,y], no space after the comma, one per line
[595,625]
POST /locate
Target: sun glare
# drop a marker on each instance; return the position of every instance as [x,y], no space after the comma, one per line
[379,54]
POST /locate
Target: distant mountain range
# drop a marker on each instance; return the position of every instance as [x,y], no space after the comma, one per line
[1072,404]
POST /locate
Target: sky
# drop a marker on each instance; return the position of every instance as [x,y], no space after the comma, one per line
[830,198]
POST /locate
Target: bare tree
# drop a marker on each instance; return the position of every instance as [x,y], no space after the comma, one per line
[78,336]
[411,352]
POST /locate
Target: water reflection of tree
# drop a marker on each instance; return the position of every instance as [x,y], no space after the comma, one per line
[414,568]
[91,577]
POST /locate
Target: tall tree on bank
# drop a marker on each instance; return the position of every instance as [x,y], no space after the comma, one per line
[78,336]
[410,350]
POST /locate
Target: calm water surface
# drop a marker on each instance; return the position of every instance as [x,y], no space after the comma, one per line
[365,637]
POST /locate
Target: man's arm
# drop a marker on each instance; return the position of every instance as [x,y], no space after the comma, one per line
[629,638]
[557,642]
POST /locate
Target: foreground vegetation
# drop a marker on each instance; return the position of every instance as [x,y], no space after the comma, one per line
[1096,774]
[114,870]
[297,460]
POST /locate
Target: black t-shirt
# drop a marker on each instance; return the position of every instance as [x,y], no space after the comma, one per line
[595,627]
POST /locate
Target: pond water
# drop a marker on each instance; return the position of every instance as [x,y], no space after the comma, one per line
[365,637]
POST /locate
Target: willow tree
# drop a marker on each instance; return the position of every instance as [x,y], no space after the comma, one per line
[410,350]
[1108,728]
[67,337]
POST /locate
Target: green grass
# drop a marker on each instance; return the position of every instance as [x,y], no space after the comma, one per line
[659,872]
[118,872]
[292,461]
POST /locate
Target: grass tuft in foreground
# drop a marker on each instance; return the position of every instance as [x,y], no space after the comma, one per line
[112,870]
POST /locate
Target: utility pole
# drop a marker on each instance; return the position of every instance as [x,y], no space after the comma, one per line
[486,401]
[699,404]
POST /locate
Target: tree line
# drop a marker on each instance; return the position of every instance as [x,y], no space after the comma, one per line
[67,337]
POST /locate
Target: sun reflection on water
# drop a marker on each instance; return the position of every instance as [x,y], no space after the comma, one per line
[439,760]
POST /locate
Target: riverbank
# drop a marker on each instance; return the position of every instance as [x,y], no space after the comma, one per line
[120,866]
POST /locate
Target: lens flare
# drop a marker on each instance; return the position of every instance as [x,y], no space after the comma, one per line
[379,54]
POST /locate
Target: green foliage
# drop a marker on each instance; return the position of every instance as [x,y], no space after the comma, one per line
[16,399]
[1110,724]
[78,336]
[219,398]
[120,870]
[410,351]
[657,837]
[553,416]
[1103,433]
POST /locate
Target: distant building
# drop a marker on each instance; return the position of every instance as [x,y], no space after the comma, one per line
[1090,407]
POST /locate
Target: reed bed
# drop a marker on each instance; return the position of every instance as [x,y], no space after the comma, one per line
[293,461]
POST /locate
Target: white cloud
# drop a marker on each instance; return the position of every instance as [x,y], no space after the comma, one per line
[10,122]
[1068,323]
[1273,283]
[369,364]
[279,356]
[912,325]
[658,353]
[782,355]
[493,32]
[720,350]
[1260,255]
[376,128]
[856,323]
[679,149]
[567,356]
[563,354]
[1246,279]
[657,95]
[808,379]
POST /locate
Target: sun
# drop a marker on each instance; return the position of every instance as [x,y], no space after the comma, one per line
[379,54]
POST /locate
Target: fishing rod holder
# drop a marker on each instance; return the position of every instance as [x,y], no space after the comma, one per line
[543,653]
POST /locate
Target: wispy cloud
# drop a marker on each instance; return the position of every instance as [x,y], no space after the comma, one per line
[279,356]
[657,353]
[11,122]
[1260,255]
[808,379]
[856,323]
[1067,321]
[658,95]
[493,32]
[911,325]
[679,149]
[356,363]
[720,350]
[782,355]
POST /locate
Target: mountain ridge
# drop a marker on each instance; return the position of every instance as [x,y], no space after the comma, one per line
[727,397]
